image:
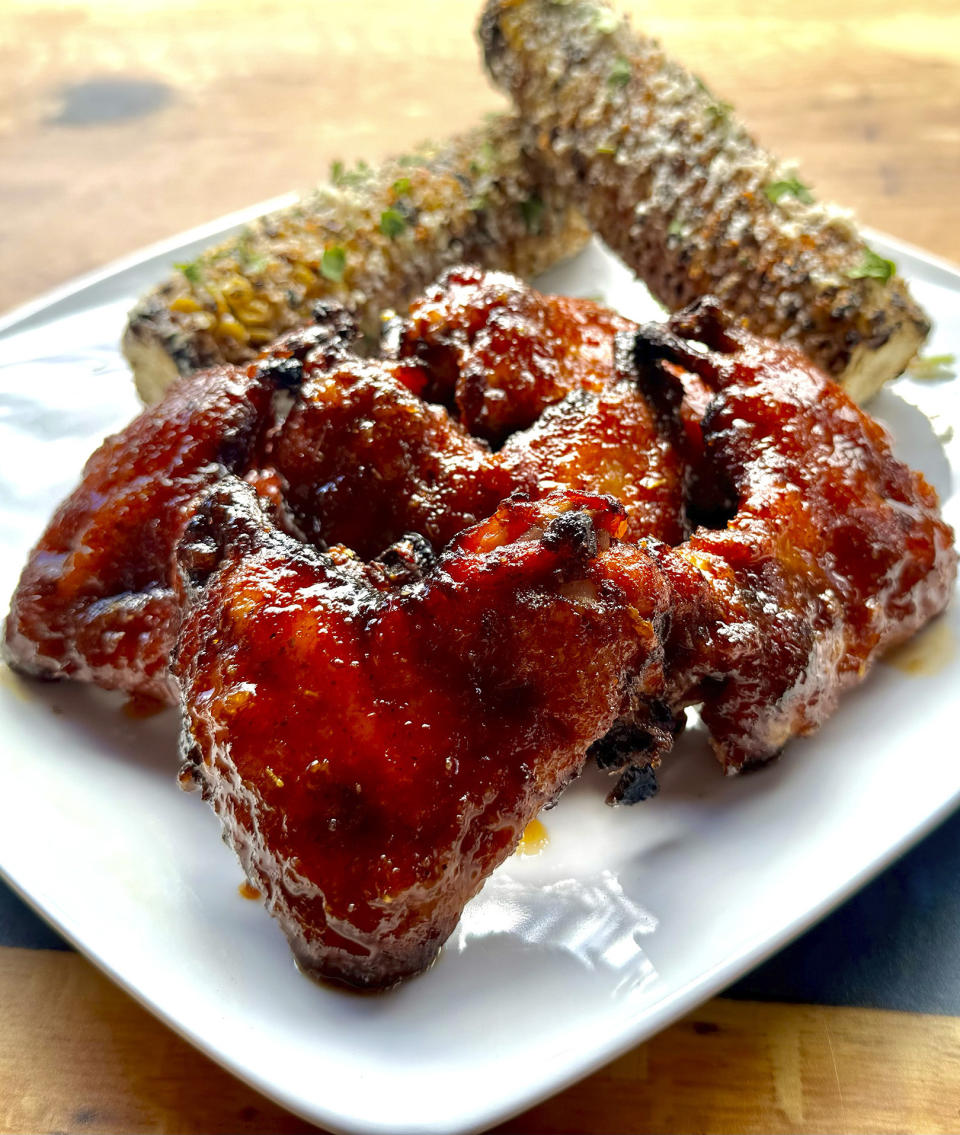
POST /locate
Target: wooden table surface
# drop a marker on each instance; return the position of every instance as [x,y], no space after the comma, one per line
[122,123]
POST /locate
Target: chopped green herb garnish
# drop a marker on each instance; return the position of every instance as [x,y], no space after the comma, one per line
[533,209]
[401,186]
[478,202]
[191,271]
[873,267]
[250,261]
[675,228]
[607,148]
[341,176]
[620,72]
[333,263]
[788,187]
[933,367]
[720,111]
[484,161]
[392,223]
[605,21]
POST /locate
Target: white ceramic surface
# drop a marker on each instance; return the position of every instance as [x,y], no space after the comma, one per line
[628,919]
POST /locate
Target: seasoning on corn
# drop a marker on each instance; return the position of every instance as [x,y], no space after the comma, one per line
[674,184]
[370,239]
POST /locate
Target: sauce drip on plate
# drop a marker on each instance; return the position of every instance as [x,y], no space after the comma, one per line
[926,653]
[534,839]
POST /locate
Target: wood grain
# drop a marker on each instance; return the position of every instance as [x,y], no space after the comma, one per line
[93,1060]
[232,103]
[259,97]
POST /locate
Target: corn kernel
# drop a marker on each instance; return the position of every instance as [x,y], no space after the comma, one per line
[253,311]
[185,304]
[232,327]
[304,275]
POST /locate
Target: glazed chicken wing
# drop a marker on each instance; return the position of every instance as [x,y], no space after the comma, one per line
[361,458]
[374,449]
[500,352]
[374,747]
[834,550]
[95,600]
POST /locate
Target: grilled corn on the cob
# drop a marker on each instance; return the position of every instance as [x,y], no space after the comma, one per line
[674,183]
[371,239]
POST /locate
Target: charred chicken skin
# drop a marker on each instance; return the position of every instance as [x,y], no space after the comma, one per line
[500,352]
[95,601]
[374,742]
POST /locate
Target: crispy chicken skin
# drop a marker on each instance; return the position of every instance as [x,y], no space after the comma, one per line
[607,441]
[834,552]
[362,461]
[375,747]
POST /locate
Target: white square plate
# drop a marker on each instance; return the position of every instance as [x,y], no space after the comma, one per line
[625,921]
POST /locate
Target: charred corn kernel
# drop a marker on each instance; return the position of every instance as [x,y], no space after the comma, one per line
[185,304]
[671,180]
[253,312]
[237,288]
[370,239]
[234,328]
[303,275]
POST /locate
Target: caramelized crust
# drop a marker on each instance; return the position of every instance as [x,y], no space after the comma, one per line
[501,352]
[607,441]
[364,461]
[374,749]
[95,600]
[376,449]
